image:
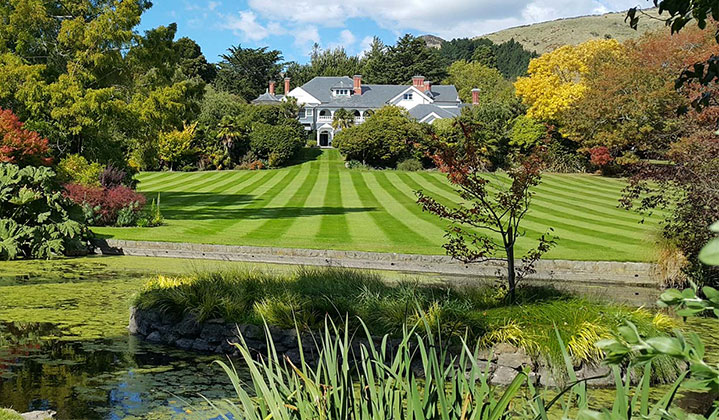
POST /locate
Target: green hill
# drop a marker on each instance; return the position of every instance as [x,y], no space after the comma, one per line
[548,36]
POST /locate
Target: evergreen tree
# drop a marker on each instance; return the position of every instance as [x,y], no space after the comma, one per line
[512,60]
[411,56]
[246,71]
[375,63]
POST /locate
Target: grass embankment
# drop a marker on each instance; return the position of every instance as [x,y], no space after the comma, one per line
[7,414]
[320,204]
[309,295]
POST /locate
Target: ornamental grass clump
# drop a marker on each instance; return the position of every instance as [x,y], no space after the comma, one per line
[306,297]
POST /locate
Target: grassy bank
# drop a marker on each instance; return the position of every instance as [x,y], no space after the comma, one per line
[307,296]
[321,204]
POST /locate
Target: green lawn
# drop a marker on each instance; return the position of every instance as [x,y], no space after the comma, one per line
[321,204]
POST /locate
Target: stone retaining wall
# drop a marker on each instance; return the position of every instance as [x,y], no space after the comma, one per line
[217,336]
[628,282]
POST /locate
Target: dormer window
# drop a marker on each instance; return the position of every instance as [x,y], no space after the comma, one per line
[341,92]
[408,96]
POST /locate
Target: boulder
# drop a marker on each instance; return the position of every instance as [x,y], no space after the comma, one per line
[154,337]
[188,327]
[38,415]
[590,371]
[503,376]
[201,345]
[184,343]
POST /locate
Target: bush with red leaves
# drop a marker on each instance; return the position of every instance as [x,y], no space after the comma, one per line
[599,156]
[107,202]
[20,146]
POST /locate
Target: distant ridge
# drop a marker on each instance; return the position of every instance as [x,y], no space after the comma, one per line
[547,36]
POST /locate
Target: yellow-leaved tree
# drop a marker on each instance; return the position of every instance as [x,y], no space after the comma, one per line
[176,144]
[556,79]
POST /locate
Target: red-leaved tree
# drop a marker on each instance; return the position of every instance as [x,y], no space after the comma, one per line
[487,225]
[20,146]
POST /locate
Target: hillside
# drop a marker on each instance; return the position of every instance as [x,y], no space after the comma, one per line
[548,36]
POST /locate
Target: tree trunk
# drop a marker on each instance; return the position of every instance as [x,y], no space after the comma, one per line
[511,275]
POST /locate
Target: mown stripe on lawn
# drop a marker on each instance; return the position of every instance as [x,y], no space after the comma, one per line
[364,229]
[280,218]
[177,179]
[410,215]
[333,227]
[395,230]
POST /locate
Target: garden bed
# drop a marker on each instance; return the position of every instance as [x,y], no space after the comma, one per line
[170,309]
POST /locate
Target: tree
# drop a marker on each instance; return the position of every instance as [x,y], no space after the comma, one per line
[526,133]
[470,75]
[342,119]
[385,138]
[246,71]
[411,56]
[629,104]
[511,59]
[375,68]
[484,54]
[176,144]
[192,62]
[557,79]
[687,190]
[20,146]
[493,208]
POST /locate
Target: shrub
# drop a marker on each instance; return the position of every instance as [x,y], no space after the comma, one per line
[112,176]
[36,221]
[77,170]
[599,156]
[356,164]
[382,140]
[276,143]
[20,146]
[107,202]
[175,145]
[410,165]
[152,216]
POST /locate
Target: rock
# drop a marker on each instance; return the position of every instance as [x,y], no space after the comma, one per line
[589,371]
[213,332]
[514,360]
[38,415]
[201,345]
[500,348]
[546,378]
[133,325]
[503,376]
[215,321]
[188,327]
[184,343]
[252,332]
[154,337]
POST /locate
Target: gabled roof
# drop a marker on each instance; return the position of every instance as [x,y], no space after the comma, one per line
[320,87]
[418,112]
[445,93]
[267,98]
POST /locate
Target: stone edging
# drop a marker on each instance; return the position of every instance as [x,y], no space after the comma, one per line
[627,282]
[215,336]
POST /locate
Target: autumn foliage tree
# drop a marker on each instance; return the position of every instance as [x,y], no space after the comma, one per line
[486,227]
[557,79]
[20,146]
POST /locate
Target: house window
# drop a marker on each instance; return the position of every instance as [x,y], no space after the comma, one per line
[308,112]
[302,113]
[408,96]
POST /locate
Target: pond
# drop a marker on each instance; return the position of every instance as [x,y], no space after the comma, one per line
[64,343]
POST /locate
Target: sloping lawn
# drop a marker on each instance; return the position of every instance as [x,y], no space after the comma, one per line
[321,204]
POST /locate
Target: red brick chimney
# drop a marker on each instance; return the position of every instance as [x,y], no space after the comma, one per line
[287,85]
[427,86]
[357,79]
[272,87]
[475,96]
[418,82]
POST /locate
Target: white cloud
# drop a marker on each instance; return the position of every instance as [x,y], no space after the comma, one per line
[213,5]
[365,45]
[447,18]
[306,36]
[347,38]
[245,25]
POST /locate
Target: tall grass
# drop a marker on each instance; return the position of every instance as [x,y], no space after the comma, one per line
[308,295]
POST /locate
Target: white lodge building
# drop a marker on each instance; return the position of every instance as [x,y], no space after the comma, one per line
[322,96]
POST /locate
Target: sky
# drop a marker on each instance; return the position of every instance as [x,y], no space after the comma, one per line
[294,26]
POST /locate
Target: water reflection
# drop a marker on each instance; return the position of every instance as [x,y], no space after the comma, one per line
[115,378]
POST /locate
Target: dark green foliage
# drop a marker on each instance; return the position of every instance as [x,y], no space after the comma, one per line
[382,140]
[276,143]
[36,220]
[332,62]
[510,57]
[410,165]
[192,62]
[396,64]
[246,71]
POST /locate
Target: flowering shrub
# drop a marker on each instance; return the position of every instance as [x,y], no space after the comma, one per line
[599,156]
[19,146]
[108,203]
[112,176]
